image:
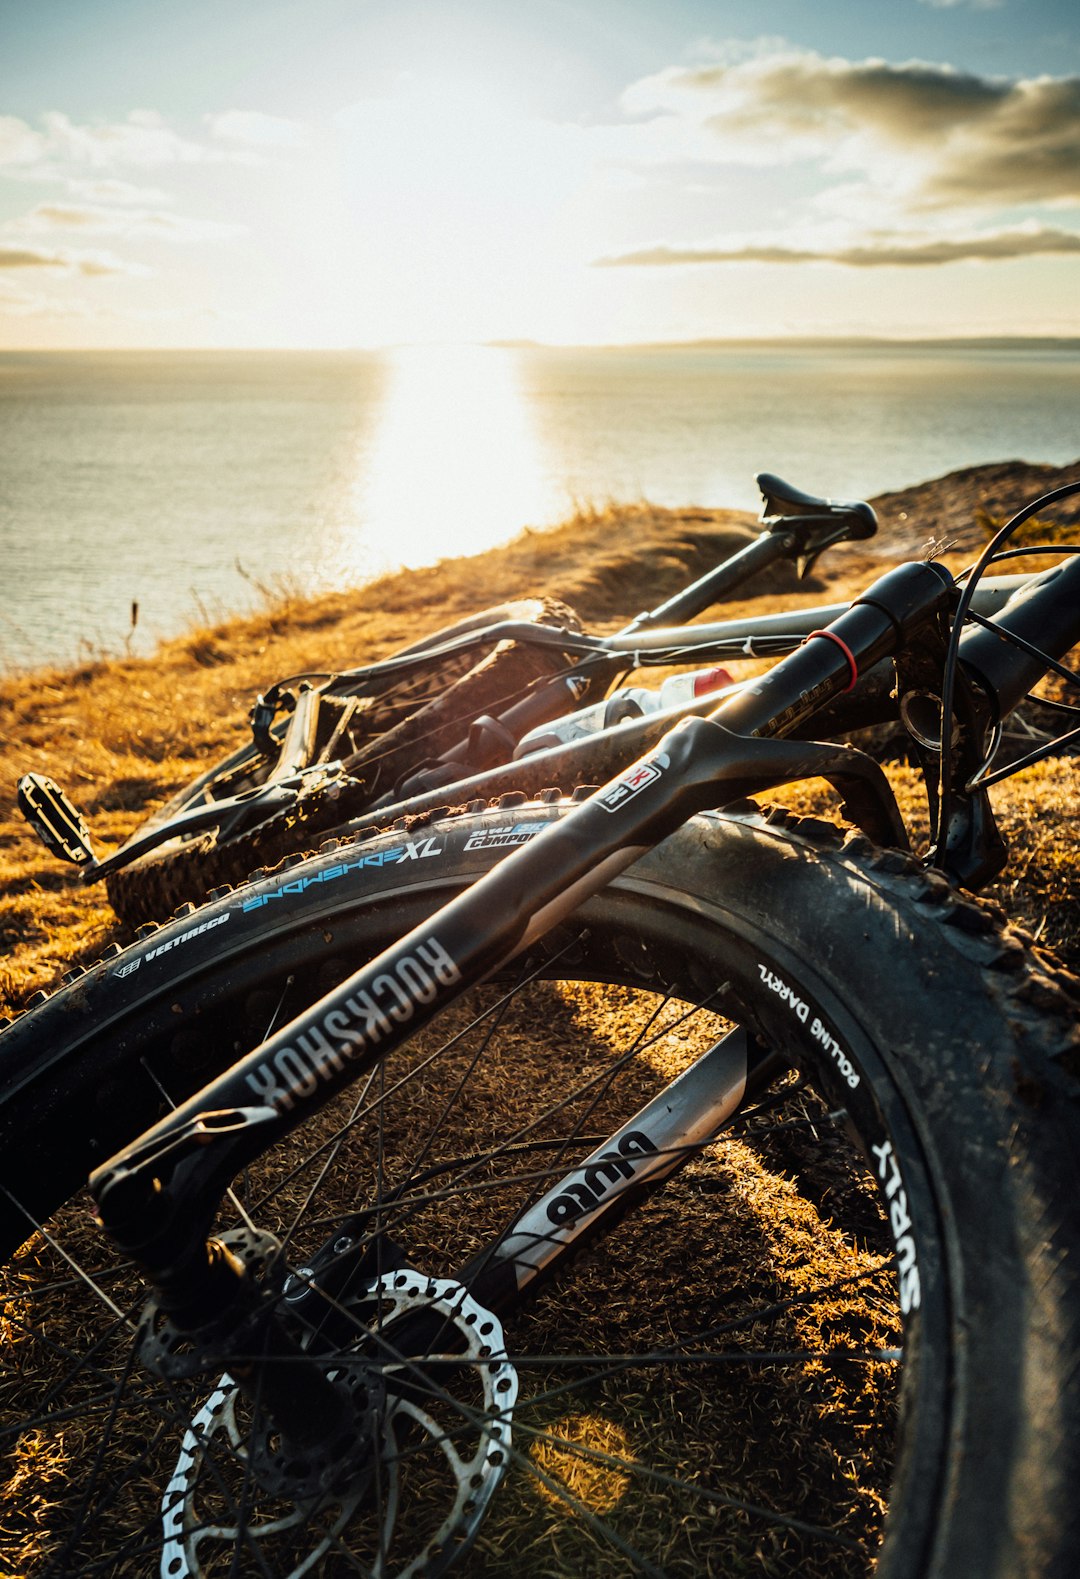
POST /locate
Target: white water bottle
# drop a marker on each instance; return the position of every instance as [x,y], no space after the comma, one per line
[621,706]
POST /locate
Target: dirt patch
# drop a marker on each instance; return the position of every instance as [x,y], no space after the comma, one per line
[959,507]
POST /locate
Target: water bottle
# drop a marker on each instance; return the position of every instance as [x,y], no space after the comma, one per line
[621,706]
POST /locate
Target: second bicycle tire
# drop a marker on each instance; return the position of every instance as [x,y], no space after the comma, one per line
[413,720]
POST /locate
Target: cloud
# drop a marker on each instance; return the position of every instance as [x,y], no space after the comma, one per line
[1028,151]
[799,98]
[253,129]
[27,258]
[894,252]
[64,216]
[88,263]
[930,133]
[144,138]
[160,224]
[109,189]
[20,144]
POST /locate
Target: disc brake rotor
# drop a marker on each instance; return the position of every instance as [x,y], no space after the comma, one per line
[220,1514]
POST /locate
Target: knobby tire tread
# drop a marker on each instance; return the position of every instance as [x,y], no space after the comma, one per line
[184,871]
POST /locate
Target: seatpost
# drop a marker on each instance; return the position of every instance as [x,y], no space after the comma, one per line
[765,550]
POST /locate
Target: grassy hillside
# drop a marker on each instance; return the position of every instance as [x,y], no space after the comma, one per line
[123,734]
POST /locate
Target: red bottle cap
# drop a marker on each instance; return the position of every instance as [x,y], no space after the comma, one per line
[712,680]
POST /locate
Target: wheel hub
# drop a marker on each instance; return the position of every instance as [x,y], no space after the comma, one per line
[432,1426]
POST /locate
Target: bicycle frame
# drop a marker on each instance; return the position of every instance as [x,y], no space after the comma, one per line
[597,758]
[157,1198]
[753,636]
[796,526]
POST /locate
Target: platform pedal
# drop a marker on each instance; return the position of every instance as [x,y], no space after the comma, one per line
[55,819]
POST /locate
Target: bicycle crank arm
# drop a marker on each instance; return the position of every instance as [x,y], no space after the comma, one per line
[62,829]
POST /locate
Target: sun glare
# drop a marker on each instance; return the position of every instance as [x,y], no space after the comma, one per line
[454,466]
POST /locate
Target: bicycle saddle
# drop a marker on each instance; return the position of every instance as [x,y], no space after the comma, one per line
[780,498]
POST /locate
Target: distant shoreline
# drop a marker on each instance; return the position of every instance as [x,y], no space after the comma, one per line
[814,343]
[954,343]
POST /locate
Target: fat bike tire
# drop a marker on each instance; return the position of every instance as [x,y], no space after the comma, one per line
[923,1153]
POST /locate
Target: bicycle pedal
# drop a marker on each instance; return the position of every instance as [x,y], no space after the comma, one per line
[55,819]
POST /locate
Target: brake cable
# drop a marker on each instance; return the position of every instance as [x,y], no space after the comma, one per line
[952,655]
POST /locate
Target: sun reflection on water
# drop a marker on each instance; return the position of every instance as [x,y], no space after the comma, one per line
[453,466]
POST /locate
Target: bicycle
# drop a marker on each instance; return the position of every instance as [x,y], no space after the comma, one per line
[419,726]
[304,1380]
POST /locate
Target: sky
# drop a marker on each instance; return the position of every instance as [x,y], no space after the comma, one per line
[360,173]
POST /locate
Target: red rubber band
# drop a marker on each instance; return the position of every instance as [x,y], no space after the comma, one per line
[847,652]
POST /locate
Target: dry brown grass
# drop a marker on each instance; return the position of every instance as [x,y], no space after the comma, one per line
[124,734]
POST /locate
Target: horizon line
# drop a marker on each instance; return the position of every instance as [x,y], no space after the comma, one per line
[702,342]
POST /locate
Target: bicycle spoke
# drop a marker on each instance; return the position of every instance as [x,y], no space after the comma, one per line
[430,1186]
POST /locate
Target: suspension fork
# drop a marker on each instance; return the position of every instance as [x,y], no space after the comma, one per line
[157,1198]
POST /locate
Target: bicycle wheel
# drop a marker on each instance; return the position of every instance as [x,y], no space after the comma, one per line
[379,738]
[862,1297]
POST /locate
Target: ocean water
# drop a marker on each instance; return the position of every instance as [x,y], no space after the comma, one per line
[184,482]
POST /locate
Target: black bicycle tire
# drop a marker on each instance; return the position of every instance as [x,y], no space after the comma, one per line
[185,870]
[896,959]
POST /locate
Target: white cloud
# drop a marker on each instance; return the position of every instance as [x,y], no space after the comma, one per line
[899,250]
[63,149]
[143,139]
[253,129]
[20,144]
[109,189]
[931,135]
[161,224]
[87,263]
